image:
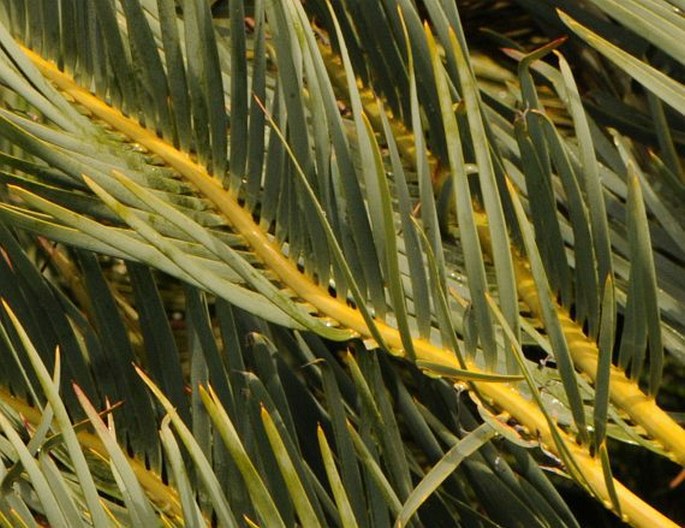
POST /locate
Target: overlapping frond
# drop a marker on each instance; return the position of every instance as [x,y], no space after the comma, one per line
[221,157]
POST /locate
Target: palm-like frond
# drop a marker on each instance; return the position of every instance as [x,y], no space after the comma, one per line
[283,208]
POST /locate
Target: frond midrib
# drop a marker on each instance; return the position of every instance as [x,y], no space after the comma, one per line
[165,497]
[624,393]
[502,395]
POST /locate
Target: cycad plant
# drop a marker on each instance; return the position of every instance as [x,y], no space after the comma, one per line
[275,263]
